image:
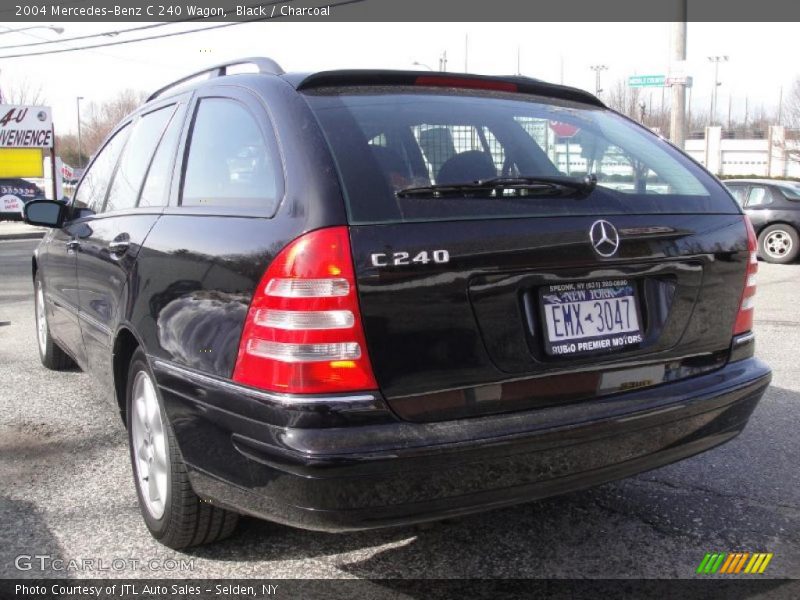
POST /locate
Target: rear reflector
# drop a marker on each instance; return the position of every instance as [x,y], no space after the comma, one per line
[744,318]
[303,333]
[466,82]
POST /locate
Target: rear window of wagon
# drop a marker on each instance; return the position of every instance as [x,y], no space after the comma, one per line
[388,138]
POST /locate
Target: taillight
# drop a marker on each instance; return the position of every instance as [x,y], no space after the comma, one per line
[303,333]
[744,318]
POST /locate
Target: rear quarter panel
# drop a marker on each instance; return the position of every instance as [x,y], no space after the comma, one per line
[199,267]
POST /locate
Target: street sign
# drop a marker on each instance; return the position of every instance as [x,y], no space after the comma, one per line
[25,126]
[684,79]
[647,81]
[564,130]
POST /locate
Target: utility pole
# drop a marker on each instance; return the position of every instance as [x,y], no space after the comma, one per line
[519,72]
[780,106]
[466,53]
[716,60]
[677,120]
[443,61]
[730,104]
[746,100]
[597,70]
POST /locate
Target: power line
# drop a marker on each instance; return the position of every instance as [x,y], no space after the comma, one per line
[152,37]
[121,42]
[174,33]
[94,35]
[115,32]
[160,64]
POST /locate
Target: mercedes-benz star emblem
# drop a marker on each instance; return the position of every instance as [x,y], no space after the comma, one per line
[604,238]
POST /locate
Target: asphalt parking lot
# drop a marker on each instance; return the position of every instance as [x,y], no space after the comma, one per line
[67,489]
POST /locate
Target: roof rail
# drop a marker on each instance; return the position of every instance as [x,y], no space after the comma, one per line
[265,65]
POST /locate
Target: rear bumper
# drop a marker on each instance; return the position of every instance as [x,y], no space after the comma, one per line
[393,472]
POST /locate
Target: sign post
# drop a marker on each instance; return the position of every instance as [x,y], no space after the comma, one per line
[566,131]
[53,163]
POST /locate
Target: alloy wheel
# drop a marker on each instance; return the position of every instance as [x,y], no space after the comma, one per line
[41,319]
[778,244]
[149,445]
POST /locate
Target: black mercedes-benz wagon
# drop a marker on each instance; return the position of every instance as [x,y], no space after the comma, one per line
[355,299]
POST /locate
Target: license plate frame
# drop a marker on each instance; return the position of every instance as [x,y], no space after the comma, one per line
[627,337]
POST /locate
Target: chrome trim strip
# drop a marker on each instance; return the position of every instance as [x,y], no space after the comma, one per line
[58,300]
[284,399]
[92,321]
[745,338]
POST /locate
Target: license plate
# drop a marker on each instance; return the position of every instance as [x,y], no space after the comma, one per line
[590,317]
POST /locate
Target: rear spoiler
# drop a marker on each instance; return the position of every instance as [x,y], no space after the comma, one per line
[366,77]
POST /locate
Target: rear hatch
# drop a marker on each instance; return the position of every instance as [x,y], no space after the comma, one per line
[515,250]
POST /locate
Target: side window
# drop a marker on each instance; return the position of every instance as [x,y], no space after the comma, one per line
[136,158]
[92,191]
[738,192]
[229,163]
[759,196]
[156,186]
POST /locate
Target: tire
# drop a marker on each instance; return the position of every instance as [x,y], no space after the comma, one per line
[779,244]
[51,355]
[173,513]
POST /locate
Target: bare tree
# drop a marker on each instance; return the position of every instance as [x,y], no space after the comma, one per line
[792,106]
[791,117]
[103,117]
[698,121]
[617,96]
[760,119]
[625,99]
[67,146]
[23,92]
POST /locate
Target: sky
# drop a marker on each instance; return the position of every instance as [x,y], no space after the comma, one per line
[761,56]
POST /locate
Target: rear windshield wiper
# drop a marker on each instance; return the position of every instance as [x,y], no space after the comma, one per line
[530,183]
